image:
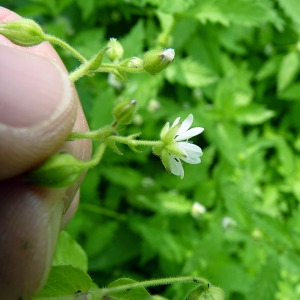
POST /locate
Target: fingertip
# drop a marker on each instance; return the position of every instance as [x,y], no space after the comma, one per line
[38,109]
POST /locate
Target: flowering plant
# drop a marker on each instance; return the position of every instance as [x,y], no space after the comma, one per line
[63,169]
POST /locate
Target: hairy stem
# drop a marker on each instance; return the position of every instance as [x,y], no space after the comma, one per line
[148,283]
[66,46]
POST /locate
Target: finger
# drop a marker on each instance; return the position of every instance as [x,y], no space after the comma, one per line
[71,211]
[30,218]
[38,110]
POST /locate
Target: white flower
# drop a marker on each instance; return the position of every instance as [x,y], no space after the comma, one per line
[197,210]
[176,146]
[228,222]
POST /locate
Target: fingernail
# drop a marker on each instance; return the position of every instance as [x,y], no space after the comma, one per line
[33,89]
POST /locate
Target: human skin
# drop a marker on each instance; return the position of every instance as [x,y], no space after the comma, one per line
[39,107]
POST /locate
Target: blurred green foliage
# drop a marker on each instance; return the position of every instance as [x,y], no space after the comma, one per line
[237,71]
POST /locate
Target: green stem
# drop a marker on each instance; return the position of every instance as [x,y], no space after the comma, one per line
[97,156]
[79,72]
[91,135]
[100,293]
[66,46]
[148,283]
[107,67]
[128,141]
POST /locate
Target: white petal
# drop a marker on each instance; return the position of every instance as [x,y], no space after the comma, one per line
[188,134]
[186,124]
[168,54]
[176,122]
[193,160]
[176,167]
[189,149]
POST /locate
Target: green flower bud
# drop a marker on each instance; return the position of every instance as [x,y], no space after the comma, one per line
[124,111]
[133,63]
[23,32]
[206,292]
[115,51]
[60,170]
[157,60]
[195,294]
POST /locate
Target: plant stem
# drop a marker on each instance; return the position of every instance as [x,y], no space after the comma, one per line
[66,46]
[148,283]
[92,135]
[97,156]
[128,141]
[108,67]
[79,72]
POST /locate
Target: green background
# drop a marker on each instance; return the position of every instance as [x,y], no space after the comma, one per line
[237,71]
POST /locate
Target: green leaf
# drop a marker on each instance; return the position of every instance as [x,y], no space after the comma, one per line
[86,8]
[69,252]
[242,12]
[177,6]
[190,73]
[158,239]
[265,285]
[63,281]
[143,88]
[291,93]
[123,176]
[288,70]
[291,8]
[269,68]
[133,42]
[124,247]
[285,156]
[253,114]
[128,294]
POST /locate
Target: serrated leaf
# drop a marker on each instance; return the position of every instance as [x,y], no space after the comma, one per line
[288,70]
[177,6]
[63,281]
[243,12]
[190,73]
[69,252]
[128,294]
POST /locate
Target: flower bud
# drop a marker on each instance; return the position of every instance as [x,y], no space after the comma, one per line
[23,32]
[124,111]
[196,293]
[204,292]
[115,51]
[60,170]
[133,63]
[157,60]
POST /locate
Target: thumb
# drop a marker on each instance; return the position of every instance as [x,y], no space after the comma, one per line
[37,110]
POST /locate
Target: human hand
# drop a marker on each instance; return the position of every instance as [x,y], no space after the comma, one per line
[39,107]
